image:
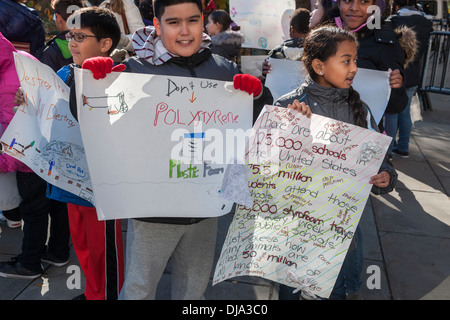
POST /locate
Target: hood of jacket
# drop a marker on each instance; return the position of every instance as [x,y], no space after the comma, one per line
[149,46]
[408,41]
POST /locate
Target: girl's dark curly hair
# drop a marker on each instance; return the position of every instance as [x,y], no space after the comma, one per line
[322,43]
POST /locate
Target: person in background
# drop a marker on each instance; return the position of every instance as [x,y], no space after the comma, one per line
[127,15]
[406,14]
[320,13]
[292,48]
[381,46]
[224,42]
[22,27]
[57,53]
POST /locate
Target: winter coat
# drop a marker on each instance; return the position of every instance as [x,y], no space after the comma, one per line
[291,49]
[333,103]
[227,44]
[22,24]
[381,49]
[9,83]
[134,21]
[152,58]
[57,54]
[414,19]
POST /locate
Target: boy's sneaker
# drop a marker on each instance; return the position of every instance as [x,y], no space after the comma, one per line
[15,270]
[403,154]
[10,223]
[48,258]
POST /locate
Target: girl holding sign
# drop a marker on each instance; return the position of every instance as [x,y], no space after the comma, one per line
[330,56]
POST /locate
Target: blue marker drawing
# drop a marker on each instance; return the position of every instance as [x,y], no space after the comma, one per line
[13,142]
[198,135]
[51,163]
[193,147]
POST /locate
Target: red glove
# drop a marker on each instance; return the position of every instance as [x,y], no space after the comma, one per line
[247,83]
[101,66]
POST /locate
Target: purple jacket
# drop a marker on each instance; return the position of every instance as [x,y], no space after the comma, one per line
[9,83]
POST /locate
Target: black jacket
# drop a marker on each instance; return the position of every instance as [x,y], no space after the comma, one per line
[22,24]
[380,49]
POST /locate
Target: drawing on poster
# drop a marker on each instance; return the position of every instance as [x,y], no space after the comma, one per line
[115,103]
[309,186]
[43,134]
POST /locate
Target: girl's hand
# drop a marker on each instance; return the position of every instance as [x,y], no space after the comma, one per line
[18,98]
[395,79]
[381,180]
[301,107]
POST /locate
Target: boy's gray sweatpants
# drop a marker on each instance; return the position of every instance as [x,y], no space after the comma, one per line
[149,247]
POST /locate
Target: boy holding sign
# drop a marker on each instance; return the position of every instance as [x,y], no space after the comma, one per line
[98,244]
[177,47]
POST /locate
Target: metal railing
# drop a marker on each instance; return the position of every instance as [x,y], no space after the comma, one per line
[435,64]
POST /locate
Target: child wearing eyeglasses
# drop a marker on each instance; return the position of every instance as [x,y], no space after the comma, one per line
[97,244]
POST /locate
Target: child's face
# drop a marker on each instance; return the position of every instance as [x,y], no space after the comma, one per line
[181,29]
[339,70]
[212,28]
[354,12]
[316,14]
[89,47]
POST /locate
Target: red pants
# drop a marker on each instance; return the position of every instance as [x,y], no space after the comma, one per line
[99,249]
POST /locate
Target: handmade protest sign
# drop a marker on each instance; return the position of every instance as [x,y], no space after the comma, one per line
[309,185]
[43,133]
[158,146]
[264,23]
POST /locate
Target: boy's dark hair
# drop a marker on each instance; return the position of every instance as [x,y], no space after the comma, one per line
[300,20]
[101,21]
[66,7]
[322,44]
[160,5]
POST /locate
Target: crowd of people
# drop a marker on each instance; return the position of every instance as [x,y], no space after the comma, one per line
[127,36]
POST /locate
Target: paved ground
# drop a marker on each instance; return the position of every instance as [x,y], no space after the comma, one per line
[406,233]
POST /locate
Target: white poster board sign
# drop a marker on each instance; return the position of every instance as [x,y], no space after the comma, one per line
[252,64]
[157,146]
[286,76]
[264,23]
[373,88]
[43,133]
[372,85]
[309,184]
